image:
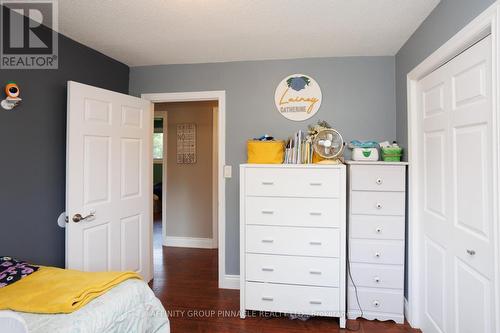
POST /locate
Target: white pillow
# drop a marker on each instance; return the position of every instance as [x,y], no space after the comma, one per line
[12,322]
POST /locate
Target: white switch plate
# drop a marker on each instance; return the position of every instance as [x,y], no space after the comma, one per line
[228,171]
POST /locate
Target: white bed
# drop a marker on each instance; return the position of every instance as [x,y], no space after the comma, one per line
[129,307]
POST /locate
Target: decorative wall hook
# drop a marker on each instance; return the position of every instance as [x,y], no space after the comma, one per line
[12,91]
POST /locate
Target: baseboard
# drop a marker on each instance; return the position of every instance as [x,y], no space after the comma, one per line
[230,282]
[199,243]
[408,317]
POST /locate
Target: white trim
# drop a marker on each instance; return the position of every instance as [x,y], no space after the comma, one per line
[193,242]
[231,282]
[220,97]
[474,31]
[215,196]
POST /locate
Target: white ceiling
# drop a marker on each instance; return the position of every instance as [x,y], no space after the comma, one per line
[151,32]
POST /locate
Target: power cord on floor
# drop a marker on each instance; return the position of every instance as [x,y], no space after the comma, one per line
[356,294]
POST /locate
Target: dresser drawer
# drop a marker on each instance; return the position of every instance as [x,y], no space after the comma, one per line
[293,241]
[377,177]
[377,203]
[290,182]
[293,270]
[376,300]
[292,299]
[376,251]
[377,227]
[377,276]
[303,212]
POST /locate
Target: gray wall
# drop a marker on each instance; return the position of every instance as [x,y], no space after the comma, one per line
[33,149]
[189,186]
[445,20]
[358,100]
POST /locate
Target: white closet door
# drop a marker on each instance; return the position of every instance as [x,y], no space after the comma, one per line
[456,207]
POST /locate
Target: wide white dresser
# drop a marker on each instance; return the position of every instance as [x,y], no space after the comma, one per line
[293,239]
[376,245]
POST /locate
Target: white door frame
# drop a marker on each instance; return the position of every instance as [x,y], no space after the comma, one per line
[220,97]
[487,22]
[164,116]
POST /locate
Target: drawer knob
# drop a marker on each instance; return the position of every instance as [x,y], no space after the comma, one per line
[377,254]
[378,230]
[378,205]
[315,272]
[376,304]
[267,183]
[471,252]
[267,269]
[376,279]
[268,241]
[315,184]
[268,299]
[379,181]
[315,302]
[268,212]
[314,243]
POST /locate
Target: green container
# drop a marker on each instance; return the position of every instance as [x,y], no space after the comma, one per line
[392,154]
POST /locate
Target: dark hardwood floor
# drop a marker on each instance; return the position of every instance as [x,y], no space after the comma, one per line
[185,280]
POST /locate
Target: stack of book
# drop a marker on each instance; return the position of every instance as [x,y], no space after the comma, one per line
[299,149]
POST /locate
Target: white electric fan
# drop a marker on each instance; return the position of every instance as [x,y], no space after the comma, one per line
[328,143]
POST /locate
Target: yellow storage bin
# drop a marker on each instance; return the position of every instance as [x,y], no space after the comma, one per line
[265,152]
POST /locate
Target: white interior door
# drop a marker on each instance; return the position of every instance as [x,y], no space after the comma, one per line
[108,181]
[456,199]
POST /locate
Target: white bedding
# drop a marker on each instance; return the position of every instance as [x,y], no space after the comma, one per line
[129,307]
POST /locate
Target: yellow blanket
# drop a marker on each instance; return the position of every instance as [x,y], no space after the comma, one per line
[56,290]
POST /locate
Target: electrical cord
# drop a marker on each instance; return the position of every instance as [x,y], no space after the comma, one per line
[356,294]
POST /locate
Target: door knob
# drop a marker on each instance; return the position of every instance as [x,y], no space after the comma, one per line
[471,252]
[78,217]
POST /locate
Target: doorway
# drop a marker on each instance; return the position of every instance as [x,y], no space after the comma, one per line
[453,188]
[185,173]
[216,100]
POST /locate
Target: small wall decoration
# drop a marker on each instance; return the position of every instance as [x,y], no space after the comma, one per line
[186,143]
[298,97]
[12,91]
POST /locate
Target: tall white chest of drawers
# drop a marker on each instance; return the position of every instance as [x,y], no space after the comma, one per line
[293,239]
[376,229]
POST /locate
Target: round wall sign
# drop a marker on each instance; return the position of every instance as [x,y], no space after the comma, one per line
[298,97]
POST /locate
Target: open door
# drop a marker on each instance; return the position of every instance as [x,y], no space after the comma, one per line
[108,181]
